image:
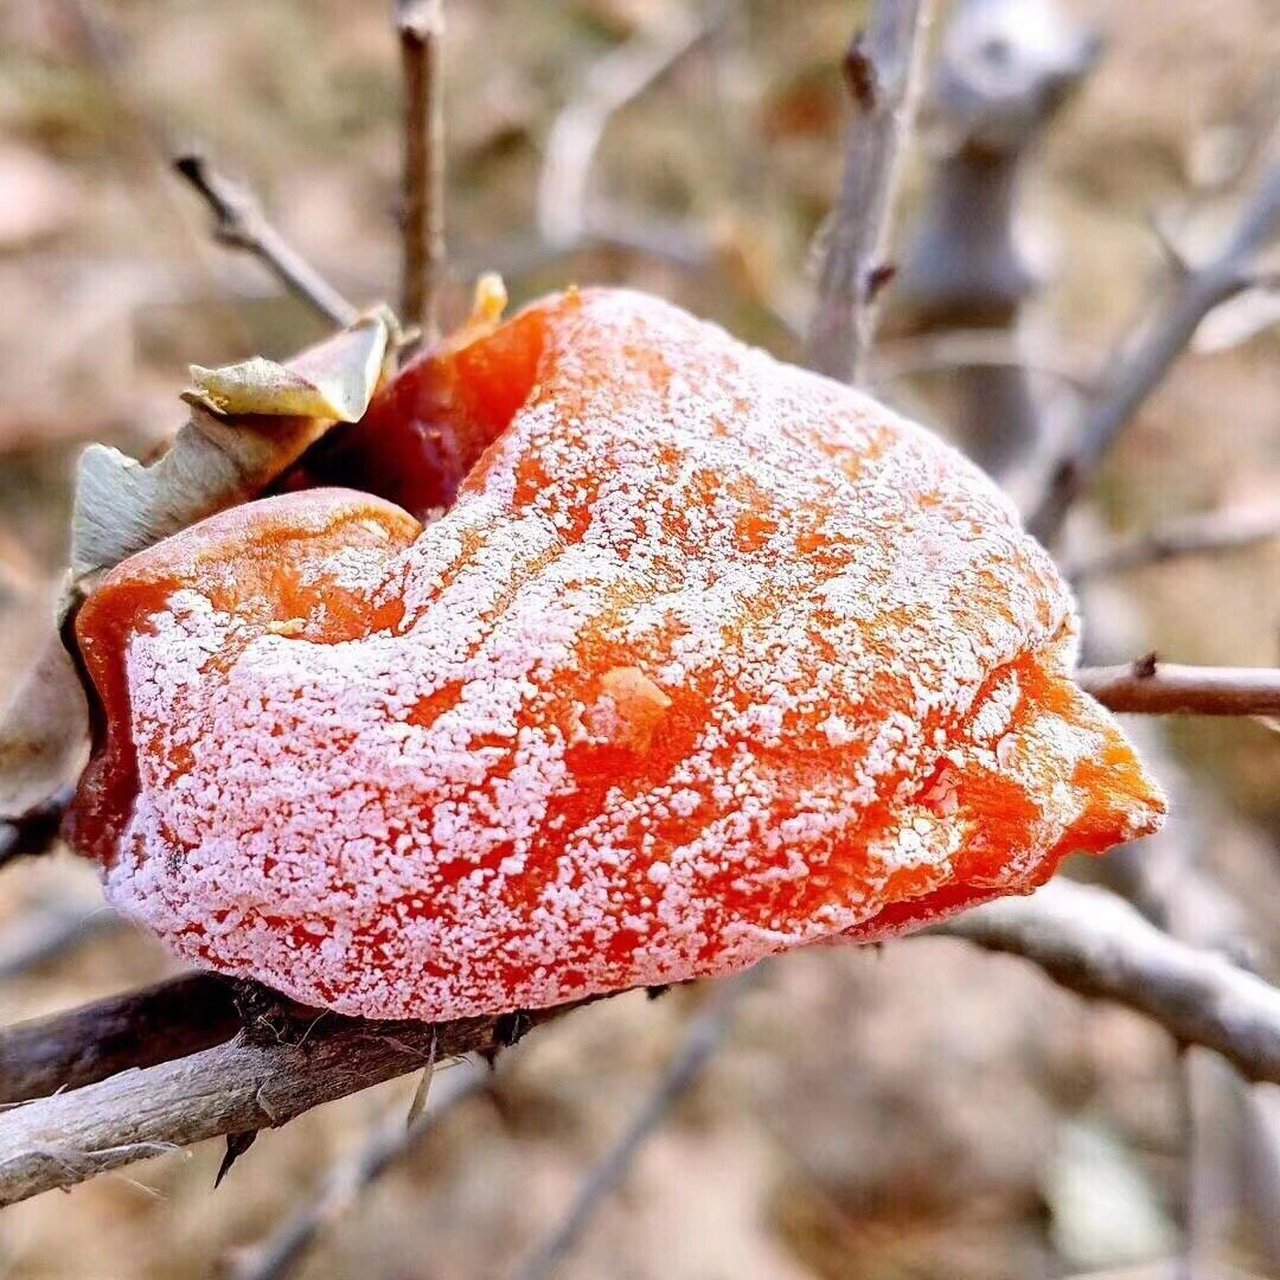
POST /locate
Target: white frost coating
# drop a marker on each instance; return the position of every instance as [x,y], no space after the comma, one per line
[450,817]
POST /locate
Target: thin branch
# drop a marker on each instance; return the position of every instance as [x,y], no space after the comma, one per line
[138,1029]
[1208,533]
[1094,943]
[262,1079]
[240,223]
[703,1037]
[1147,687]
[278,1256]
[1148,356]
[618,78]
[882,73]
[420,26]
[35,831]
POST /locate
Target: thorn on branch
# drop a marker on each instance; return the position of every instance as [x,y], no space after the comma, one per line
[860,74]
[878,279]
[237,1145]
[240,223]
[1144,668]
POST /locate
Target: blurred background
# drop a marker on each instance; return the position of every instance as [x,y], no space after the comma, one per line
[919,1112]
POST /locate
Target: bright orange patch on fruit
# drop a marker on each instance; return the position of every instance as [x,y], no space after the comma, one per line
[708,657]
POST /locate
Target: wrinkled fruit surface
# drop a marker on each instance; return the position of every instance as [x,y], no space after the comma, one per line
[710,658]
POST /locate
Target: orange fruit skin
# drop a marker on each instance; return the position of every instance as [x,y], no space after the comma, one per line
[711,657]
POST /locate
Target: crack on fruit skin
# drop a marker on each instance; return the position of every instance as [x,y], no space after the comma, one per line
[712,657]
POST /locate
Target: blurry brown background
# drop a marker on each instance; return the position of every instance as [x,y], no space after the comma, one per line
[922,1112]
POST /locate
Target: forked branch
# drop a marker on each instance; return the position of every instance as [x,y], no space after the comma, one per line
[1094,943]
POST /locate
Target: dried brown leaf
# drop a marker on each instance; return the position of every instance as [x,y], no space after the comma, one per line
[267,415]
[335,380]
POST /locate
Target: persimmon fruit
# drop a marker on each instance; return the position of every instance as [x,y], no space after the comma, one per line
[627,654]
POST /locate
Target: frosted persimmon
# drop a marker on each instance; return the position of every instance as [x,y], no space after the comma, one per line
[709,657]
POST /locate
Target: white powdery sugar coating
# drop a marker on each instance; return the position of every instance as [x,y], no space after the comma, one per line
[821,605]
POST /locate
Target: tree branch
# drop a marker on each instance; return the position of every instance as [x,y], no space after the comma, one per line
[262,1079]
[1085,939]
[702,1038]
[1092,942]
[240,223]
[1151,351]
[35,831]
[420,25]
[138,1029]
[1148,687]
[881,71]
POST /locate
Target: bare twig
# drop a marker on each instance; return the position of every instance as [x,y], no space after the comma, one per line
[35,831]
[1148,356]
[169,1020]
[881,70]
[704,1036]
[1094,943]
[240,223]
[1211,532]
[1147,687]
[618,78]
[420,26]
[260,1080]
[278,1256]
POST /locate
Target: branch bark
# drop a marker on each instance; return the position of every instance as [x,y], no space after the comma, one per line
[240,223]
[1092,942]
[138,1029]
[1148,687]
[881,71]
[262,1079]
[420,26]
